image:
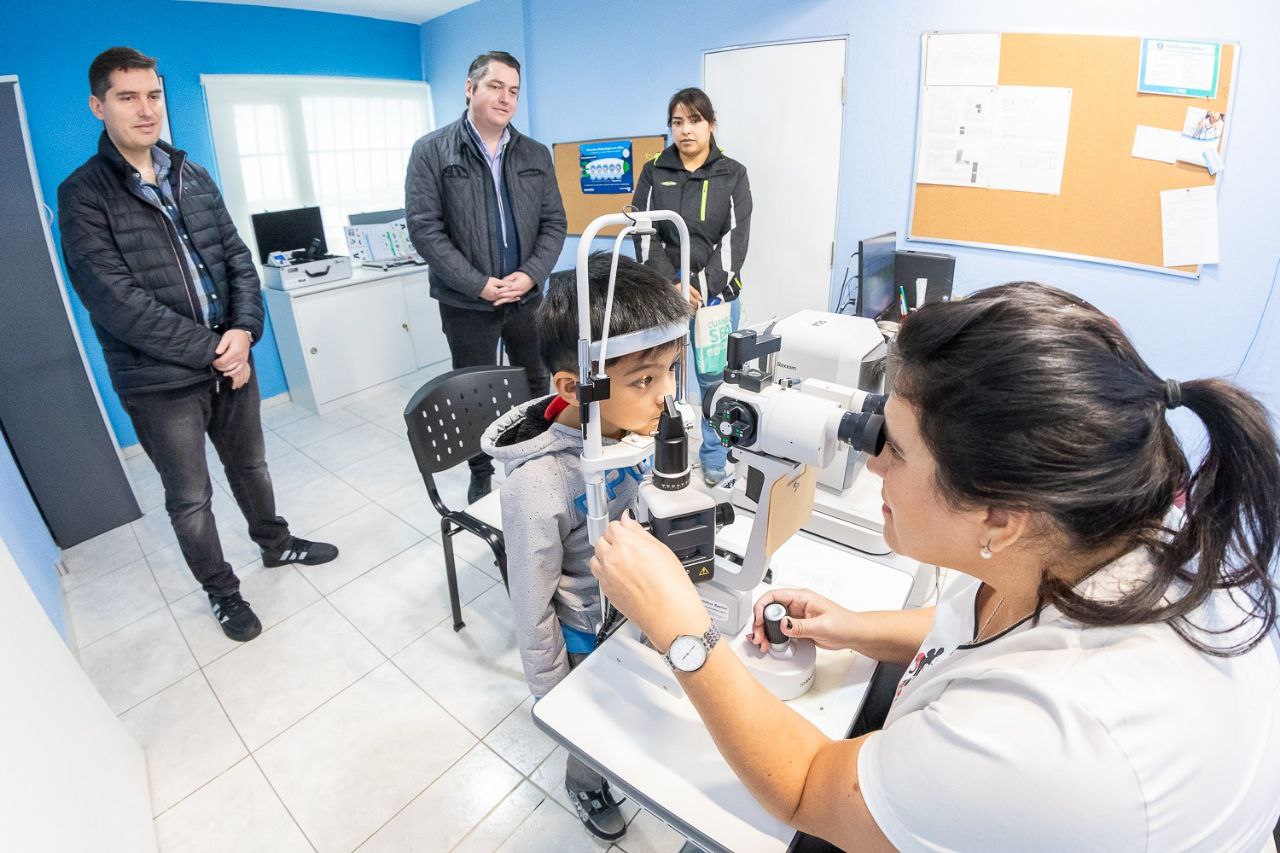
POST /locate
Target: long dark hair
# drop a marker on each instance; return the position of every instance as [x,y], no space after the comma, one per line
[1030,398]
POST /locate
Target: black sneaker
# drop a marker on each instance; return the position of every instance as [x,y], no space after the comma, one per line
[300,551]
[233,614]
[599,812]
[481,485]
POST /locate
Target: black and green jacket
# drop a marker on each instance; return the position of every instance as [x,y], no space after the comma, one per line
[715,202]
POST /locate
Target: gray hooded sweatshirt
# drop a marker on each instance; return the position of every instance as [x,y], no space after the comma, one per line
[544,525]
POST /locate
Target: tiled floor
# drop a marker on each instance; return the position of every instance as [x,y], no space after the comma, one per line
[358,719]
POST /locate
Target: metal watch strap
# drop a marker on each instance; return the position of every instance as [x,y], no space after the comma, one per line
[709,639]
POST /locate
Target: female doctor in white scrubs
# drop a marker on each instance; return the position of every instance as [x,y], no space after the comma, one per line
[1097,680]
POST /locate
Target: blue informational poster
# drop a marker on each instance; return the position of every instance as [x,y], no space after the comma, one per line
[1184,68]
[606,167]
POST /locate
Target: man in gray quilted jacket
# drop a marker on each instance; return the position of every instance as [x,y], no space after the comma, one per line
[484,211]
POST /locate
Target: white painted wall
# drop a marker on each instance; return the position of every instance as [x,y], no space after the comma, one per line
[71,777]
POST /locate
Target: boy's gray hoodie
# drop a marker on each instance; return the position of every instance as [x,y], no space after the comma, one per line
[544,525]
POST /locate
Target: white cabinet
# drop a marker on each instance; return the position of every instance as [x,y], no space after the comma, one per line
[339,338]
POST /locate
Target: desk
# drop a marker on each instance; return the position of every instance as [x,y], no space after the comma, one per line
[340,337]
[656,746]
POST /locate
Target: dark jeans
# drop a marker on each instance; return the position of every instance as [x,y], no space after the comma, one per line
[171,427]
[473,342]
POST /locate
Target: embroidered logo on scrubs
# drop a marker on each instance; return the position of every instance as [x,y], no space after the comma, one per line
[922,660]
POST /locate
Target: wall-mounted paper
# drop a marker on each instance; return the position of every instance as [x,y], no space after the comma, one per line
[962,59]
[1007,137]
[1185,68]
[1030,139]
[1189,226]
[955,134]
[1156,143]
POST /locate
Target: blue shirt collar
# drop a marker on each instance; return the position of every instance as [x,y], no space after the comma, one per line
[475,134]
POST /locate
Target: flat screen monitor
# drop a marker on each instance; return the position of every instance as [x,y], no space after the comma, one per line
[286,230]
[376,217]
[876,295]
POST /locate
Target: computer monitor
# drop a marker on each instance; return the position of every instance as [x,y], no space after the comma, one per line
[287,230]
[376,217]
[877,295]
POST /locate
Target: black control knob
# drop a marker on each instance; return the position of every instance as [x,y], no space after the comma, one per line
[734,423]
[773,615]
[724,515]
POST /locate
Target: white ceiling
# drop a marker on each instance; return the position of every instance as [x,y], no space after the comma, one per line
[410,11]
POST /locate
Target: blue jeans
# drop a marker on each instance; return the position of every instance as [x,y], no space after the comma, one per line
[713,456]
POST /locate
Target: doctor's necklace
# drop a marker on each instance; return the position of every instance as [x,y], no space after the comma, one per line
[977,638]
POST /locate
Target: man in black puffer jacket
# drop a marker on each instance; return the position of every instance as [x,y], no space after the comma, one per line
[173,296]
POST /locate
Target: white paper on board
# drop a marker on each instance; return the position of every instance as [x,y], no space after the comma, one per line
[1003,137]
[1157,143]
[1030,147]
[955,134]
[962,59]
[1189,226]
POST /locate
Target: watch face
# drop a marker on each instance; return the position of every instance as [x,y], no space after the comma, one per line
[687,653]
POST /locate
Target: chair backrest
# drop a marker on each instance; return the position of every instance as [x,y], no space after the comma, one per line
[446,417]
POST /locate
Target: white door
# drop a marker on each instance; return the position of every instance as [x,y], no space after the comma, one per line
[780,109]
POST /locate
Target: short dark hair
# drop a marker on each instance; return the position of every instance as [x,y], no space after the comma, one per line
[694,100]
[641,299]
[1030,398]
[480,65]
[114,59]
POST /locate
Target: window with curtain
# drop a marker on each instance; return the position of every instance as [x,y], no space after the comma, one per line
[341,144]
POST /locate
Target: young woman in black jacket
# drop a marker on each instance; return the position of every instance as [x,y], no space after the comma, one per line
[711,192]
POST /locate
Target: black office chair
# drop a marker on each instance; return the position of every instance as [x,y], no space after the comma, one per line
[445,420]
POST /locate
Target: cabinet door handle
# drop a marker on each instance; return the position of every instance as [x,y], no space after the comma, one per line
[404,326]
[314,350]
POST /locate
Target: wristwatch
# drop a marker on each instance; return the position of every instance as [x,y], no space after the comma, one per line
[689,652]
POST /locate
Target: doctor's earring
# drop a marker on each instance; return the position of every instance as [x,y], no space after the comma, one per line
[985,552]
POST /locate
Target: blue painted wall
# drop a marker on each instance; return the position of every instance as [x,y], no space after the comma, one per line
[50,48]
[450,42]
[24,533]
[598,70]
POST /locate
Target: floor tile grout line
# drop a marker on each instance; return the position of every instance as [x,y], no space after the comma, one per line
[347,583]
[265,629]
[401,670]
[326,701]
[303,447]
[497,806]
[248,753]
[432,782]
[349,463]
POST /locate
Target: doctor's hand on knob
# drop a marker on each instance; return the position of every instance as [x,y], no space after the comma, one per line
[644,580]
[809,615]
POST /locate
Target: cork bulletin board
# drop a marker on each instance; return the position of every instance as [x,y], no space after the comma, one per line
[580,207]
[1109,205]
